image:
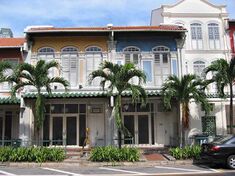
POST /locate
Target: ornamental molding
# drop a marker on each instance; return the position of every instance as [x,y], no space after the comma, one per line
[196,15]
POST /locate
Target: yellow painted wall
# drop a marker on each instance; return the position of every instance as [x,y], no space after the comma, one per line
[81,42]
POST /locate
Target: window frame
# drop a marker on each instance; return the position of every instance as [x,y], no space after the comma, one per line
[198,63]
[152,72]
[92,53]
[197,28]
[46,53]
[132,53]
[214,28]
[66,54]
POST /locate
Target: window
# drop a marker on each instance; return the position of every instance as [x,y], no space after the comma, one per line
[132,54]
[161,64]
[47,54]
[209,125]
[147,67]
[214,37]
[196,35]
[198,67]
[69,56]
[93,49]
[93,60]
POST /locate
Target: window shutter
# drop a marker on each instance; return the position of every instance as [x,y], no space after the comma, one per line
[65,67]
[157,58]
[127,58]
[136,59]
[73,71]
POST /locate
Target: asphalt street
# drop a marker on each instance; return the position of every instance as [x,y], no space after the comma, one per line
[155,170]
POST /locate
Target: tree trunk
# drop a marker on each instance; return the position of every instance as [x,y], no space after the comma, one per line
[231,108]
[181,125]
[118,118]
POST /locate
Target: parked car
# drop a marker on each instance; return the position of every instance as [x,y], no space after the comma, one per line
[220,151]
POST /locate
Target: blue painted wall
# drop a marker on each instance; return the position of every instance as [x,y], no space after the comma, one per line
[145,43]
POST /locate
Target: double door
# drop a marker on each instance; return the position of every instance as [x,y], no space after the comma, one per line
[139,129]
[67,130]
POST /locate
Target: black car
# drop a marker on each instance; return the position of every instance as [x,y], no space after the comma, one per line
[220,151]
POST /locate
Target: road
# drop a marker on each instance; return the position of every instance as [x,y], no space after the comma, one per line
[122,171]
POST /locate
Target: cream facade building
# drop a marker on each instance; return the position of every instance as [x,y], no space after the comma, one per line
[205,42]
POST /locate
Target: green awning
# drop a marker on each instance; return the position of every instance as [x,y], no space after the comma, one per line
[90,94]
[83,94]
[69,94]
[9,100]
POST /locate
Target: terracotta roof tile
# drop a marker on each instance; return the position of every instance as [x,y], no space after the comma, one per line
[114,28]
[11,42]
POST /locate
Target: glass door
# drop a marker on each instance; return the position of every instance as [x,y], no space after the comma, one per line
[143,129]
[71,130]
[129,123]
[57,130]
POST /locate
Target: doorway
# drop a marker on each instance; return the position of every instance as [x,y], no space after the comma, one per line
[139,129]
[64,130]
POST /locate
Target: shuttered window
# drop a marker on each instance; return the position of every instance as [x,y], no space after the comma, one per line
[161,66]
[69,56]
[196,35]
[93,60]
[198,67]
[47,54]
[132,55]
[214,36]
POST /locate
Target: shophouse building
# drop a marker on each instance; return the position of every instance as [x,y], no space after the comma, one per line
[205,42]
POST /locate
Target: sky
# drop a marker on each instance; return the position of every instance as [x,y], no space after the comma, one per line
[17,14]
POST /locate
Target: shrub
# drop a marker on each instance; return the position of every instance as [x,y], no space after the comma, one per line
[113,154]
[31,154]
[188,152]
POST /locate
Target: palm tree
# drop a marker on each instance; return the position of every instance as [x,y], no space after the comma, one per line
[117,78]
[38,77]
[4,65]
[183,90]
[223,75]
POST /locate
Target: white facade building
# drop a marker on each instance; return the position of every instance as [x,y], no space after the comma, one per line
[206,41]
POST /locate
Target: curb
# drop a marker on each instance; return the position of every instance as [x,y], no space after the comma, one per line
[97,164]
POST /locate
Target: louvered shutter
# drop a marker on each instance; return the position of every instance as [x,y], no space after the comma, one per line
[73,70]
[65,67]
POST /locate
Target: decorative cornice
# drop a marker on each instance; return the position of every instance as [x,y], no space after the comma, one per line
[206,51]
[196,15]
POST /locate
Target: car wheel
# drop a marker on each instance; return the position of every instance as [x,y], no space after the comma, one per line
[231,161]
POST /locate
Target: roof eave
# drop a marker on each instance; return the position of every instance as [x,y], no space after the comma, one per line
[11,46]
[66,31]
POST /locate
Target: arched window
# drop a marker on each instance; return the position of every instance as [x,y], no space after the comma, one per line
[131,49]
[93,60]
[132,54]
[93,49]
[196,35]
[161,49]
[47,54]
[70,50]
[214,36]
[198,67]
[46,50]
[161,54]
[69,58]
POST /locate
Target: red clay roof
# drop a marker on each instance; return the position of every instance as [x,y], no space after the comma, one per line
[105,29]
[11,42]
